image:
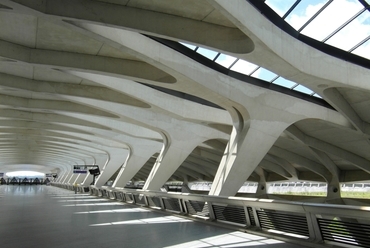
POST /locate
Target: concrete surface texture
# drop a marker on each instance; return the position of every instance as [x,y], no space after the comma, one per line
[86,82]
[43,216]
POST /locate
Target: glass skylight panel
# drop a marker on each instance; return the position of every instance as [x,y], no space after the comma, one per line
[247,68]
[207,53]
[264,74]
[363,50]
[192,47]
[303,12]
[353,33]
[336,14]
[243,67]
[225,60]
[284,82]
[280,6]
[303,89]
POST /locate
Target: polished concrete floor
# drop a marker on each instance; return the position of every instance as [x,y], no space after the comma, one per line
[45,216]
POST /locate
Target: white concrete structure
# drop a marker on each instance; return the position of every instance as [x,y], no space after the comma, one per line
[105,82]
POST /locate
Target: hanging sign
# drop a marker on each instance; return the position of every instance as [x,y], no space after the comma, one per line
[80,169]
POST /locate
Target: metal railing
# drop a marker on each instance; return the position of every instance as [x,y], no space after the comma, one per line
[340,225]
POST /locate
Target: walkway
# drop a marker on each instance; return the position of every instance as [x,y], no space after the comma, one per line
[44,216]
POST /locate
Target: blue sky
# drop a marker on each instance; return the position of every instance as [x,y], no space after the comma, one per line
[336,14]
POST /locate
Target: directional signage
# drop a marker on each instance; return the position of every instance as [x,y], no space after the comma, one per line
[80,169]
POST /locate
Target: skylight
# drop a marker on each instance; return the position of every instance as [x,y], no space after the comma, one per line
[207,53]
[353,33]
[285,83]
[250,69]
[344,24]
[225,60]
[244,67]
[331,18]
[192,47]
[363,50]
[280,7]
[264,74]
[303,89]
[303,12]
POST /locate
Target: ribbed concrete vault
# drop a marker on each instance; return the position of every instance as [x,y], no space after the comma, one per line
[74,89]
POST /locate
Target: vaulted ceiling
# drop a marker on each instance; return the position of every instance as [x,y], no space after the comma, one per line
[79,85]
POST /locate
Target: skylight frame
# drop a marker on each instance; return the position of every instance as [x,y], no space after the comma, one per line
[365,7]
[273,79]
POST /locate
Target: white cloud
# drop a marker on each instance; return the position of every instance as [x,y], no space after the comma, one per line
[243,67]
[336,14]
[363,50]
[225,60]
[297,20]
[352,34]
[280,6]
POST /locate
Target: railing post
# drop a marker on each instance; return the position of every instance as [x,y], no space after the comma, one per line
[256,219]
[212,215]
[180,205]
[162,203]
[313,228]
[146,200]
[186,210]
[246,213]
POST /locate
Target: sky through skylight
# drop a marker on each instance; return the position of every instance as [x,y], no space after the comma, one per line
[344,24]
[250,69]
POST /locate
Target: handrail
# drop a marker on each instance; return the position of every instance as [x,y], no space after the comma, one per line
[255,202]
[314,222]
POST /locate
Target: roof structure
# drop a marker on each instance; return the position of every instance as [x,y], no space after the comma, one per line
[220,91]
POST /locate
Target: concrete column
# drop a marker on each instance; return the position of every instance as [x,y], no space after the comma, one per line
[136,159]
[333,191]
[116,159]
[79,178]
[243,153]
[84,179]
[262,185]
[60,176]
[169,160]
[73,178]
[67,176]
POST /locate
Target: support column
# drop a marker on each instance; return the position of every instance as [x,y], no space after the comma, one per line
[136,159]
[169,160]
[73,178]
[81,178]
[262,185]
[243,153]
[62,179]
[60,176]
[116,159]
[333,192]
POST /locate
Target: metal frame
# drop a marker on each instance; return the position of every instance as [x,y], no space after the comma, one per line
[355,216]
